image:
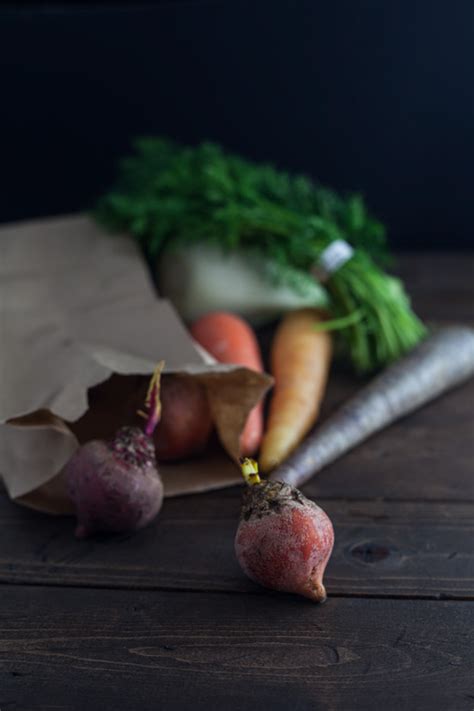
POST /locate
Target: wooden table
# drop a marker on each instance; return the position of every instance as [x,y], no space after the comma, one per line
[164,618]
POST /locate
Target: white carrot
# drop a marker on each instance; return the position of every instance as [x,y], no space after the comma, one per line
[442,361]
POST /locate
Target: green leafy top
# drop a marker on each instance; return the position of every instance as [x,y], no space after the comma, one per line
[167,193]
[192,194]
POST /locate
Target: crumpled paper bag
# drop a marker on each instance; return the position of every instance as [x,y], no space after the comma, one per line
[77,308]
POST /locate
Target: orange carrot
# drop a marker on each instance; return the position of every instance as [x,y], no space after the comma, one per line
[231,340]
[300,359]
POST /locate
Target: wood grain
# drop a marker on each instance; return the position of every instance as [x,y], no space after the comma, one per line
[427,455]
[73,649]
[382,549]
[440,284]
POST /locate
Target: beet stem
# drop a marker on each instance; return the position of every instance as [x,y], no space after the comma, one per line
[249,469]
[153,402]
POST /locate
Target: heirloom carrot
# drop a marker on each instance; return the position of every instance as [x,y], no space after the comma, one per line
[442,361]
[300,359]
[230,339]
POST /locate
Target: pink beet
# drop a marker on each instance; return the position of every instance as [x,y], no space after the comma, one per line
[284,540]
[115,486]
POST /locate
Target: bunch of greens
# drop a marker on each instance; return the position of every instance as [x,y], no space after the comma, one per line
[181,195]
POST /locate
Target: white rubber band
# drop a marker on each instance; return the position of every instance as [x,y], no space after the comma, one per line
[335,255]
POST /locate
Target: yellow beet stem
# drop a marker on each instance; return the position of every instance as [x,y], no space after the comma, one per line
[154,382]
[249,469]
[153,402]
[300,360]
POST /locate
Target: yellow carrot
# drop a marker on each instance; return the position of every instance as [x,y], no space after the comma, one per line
[300,359]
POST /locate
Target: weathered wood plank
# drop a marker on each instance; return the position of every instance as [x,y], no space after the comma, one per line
[428,455]
[74,649]
[382,549]
[440,284]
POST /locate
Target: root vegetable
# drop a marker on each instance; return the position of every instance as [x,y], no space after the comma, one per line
[300,359]
[115,486]
[199,278]
[231,340]
[444,360]
[284,540]
[186,424]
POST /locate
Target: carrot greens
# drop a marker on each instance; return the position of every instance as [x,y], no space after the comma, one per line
[168,194]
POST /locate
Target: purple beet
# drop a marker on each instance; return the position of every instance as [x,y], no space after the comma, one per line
[115,485]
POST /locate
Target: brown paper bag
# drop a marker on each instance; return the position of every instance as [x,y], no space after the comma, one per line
[77,307]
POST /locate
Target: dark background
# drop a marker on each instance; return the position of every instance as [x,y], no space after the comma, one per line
[372,95]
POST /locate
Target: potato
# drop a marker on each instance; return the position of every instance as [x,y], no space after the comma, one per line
[186,422]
